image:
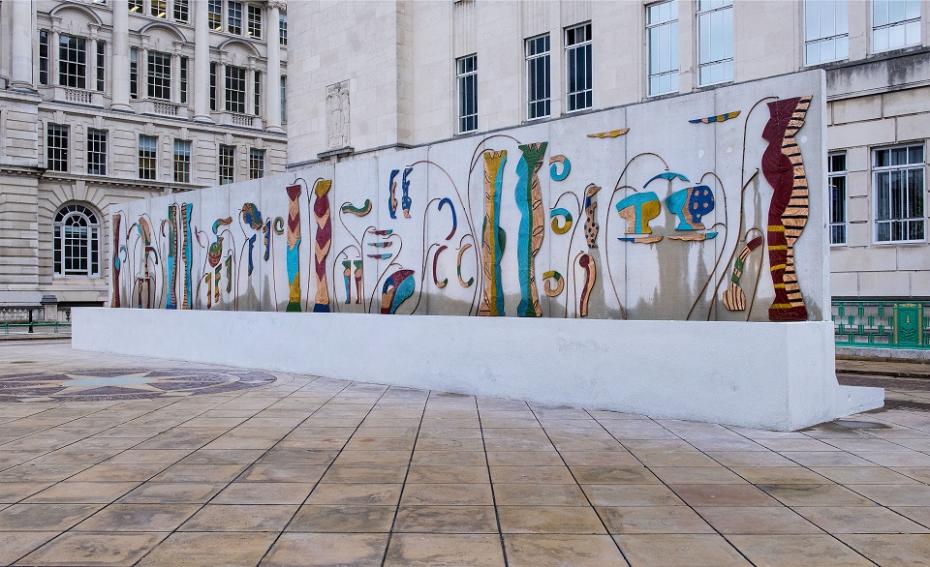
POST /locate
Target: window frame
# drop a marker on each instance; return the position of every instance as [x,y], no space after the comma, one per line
[134,73]
[890,25]
[463,78]
[254,15]
[181,11]
[158,75]
[60,242]
[282,29]
[876,170]
[44,53]
[226,162]
[182,160]
[529,59]
[585,44]
[673,48]
[234,17]
[256,163]
[239,104]
[831,175]
[808,41]
[215,15]
[72,70]
[97,155]
[62,133]
[699,13]
[147,164]
[101,64]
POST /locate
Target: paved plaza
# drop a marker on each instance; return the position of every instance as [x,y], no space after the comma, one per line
[113,460]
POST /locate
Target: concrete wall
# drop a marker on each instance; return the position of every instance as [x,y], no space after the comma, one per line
[438,257]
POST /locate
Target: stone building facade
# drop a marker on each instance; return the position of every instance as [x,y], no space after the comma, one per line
[420,72]
[103,101]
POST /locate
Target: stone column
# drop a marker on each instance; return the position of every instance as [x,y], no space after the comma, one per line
[22,61]
[201,80]
[119,62]
[273,96]
[221,86]
[92,63]
[143,70]
[54,36]
[249,87]
[176,76]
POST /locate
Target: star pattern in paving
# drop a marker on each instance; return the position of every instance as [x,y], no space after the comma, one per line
[126,384]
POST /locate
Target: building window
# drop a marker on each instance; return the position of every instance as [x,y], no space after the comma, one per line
[158,8]
[212,86]
[43,57]
[282,29]
[537,77]
[76,242]
[182,161]
[257,89]
[256,163]
[255,21]
[836,176]
[159,72]
[148,154]
[283,90]
[826,31]
[235,89]
[183,79]
[662,37]
[215,14]
[715,36]
[56,147]
[895,24]
[898,185]
[181,11]
[579,66]
[72,61]
[134,73]
[96,151]
[467,79]
[101,65]
[135,6]
[227,164]
[234,17]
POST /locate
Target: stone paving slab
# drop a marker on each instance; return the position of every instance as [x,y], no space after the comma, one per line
[303,470]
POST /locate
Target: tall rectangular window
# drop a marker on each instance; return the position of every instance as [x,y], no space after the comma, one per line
[158,8]
[466,69]
[159,72]
[134,72]
[579,67]
[826,31]
[96,151]
[256,163]
[538,93]
[715,41]
[227,164]
[836,176]
[212,86]
[148,154]
[234,17]
[181,10]
[283,91]
[135,6]
[101,65]
[255,21]
[215,14]
[43,57]
[898,185]
[895,24]
[182,75]
[72,61]
[182,161]
[662,37]
[56,147]
[235,89]
[257,90]
[282,28]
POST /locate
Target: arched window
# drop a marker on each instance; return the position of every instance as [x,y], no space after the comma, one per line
[77,242]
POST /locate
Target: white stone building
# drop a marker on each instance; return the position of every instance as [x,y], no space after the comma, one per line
[419,72]
[102,101]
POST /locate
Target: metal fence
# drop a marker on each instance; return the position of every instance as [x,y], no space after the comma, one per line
[881,323]
[28,320]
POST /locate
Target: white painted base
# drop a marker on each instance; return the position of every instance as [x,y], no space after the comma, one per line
[769,375]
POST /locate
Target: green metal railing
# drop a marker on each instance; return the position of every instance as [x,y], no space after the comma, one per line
[899,324]
[35,327]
